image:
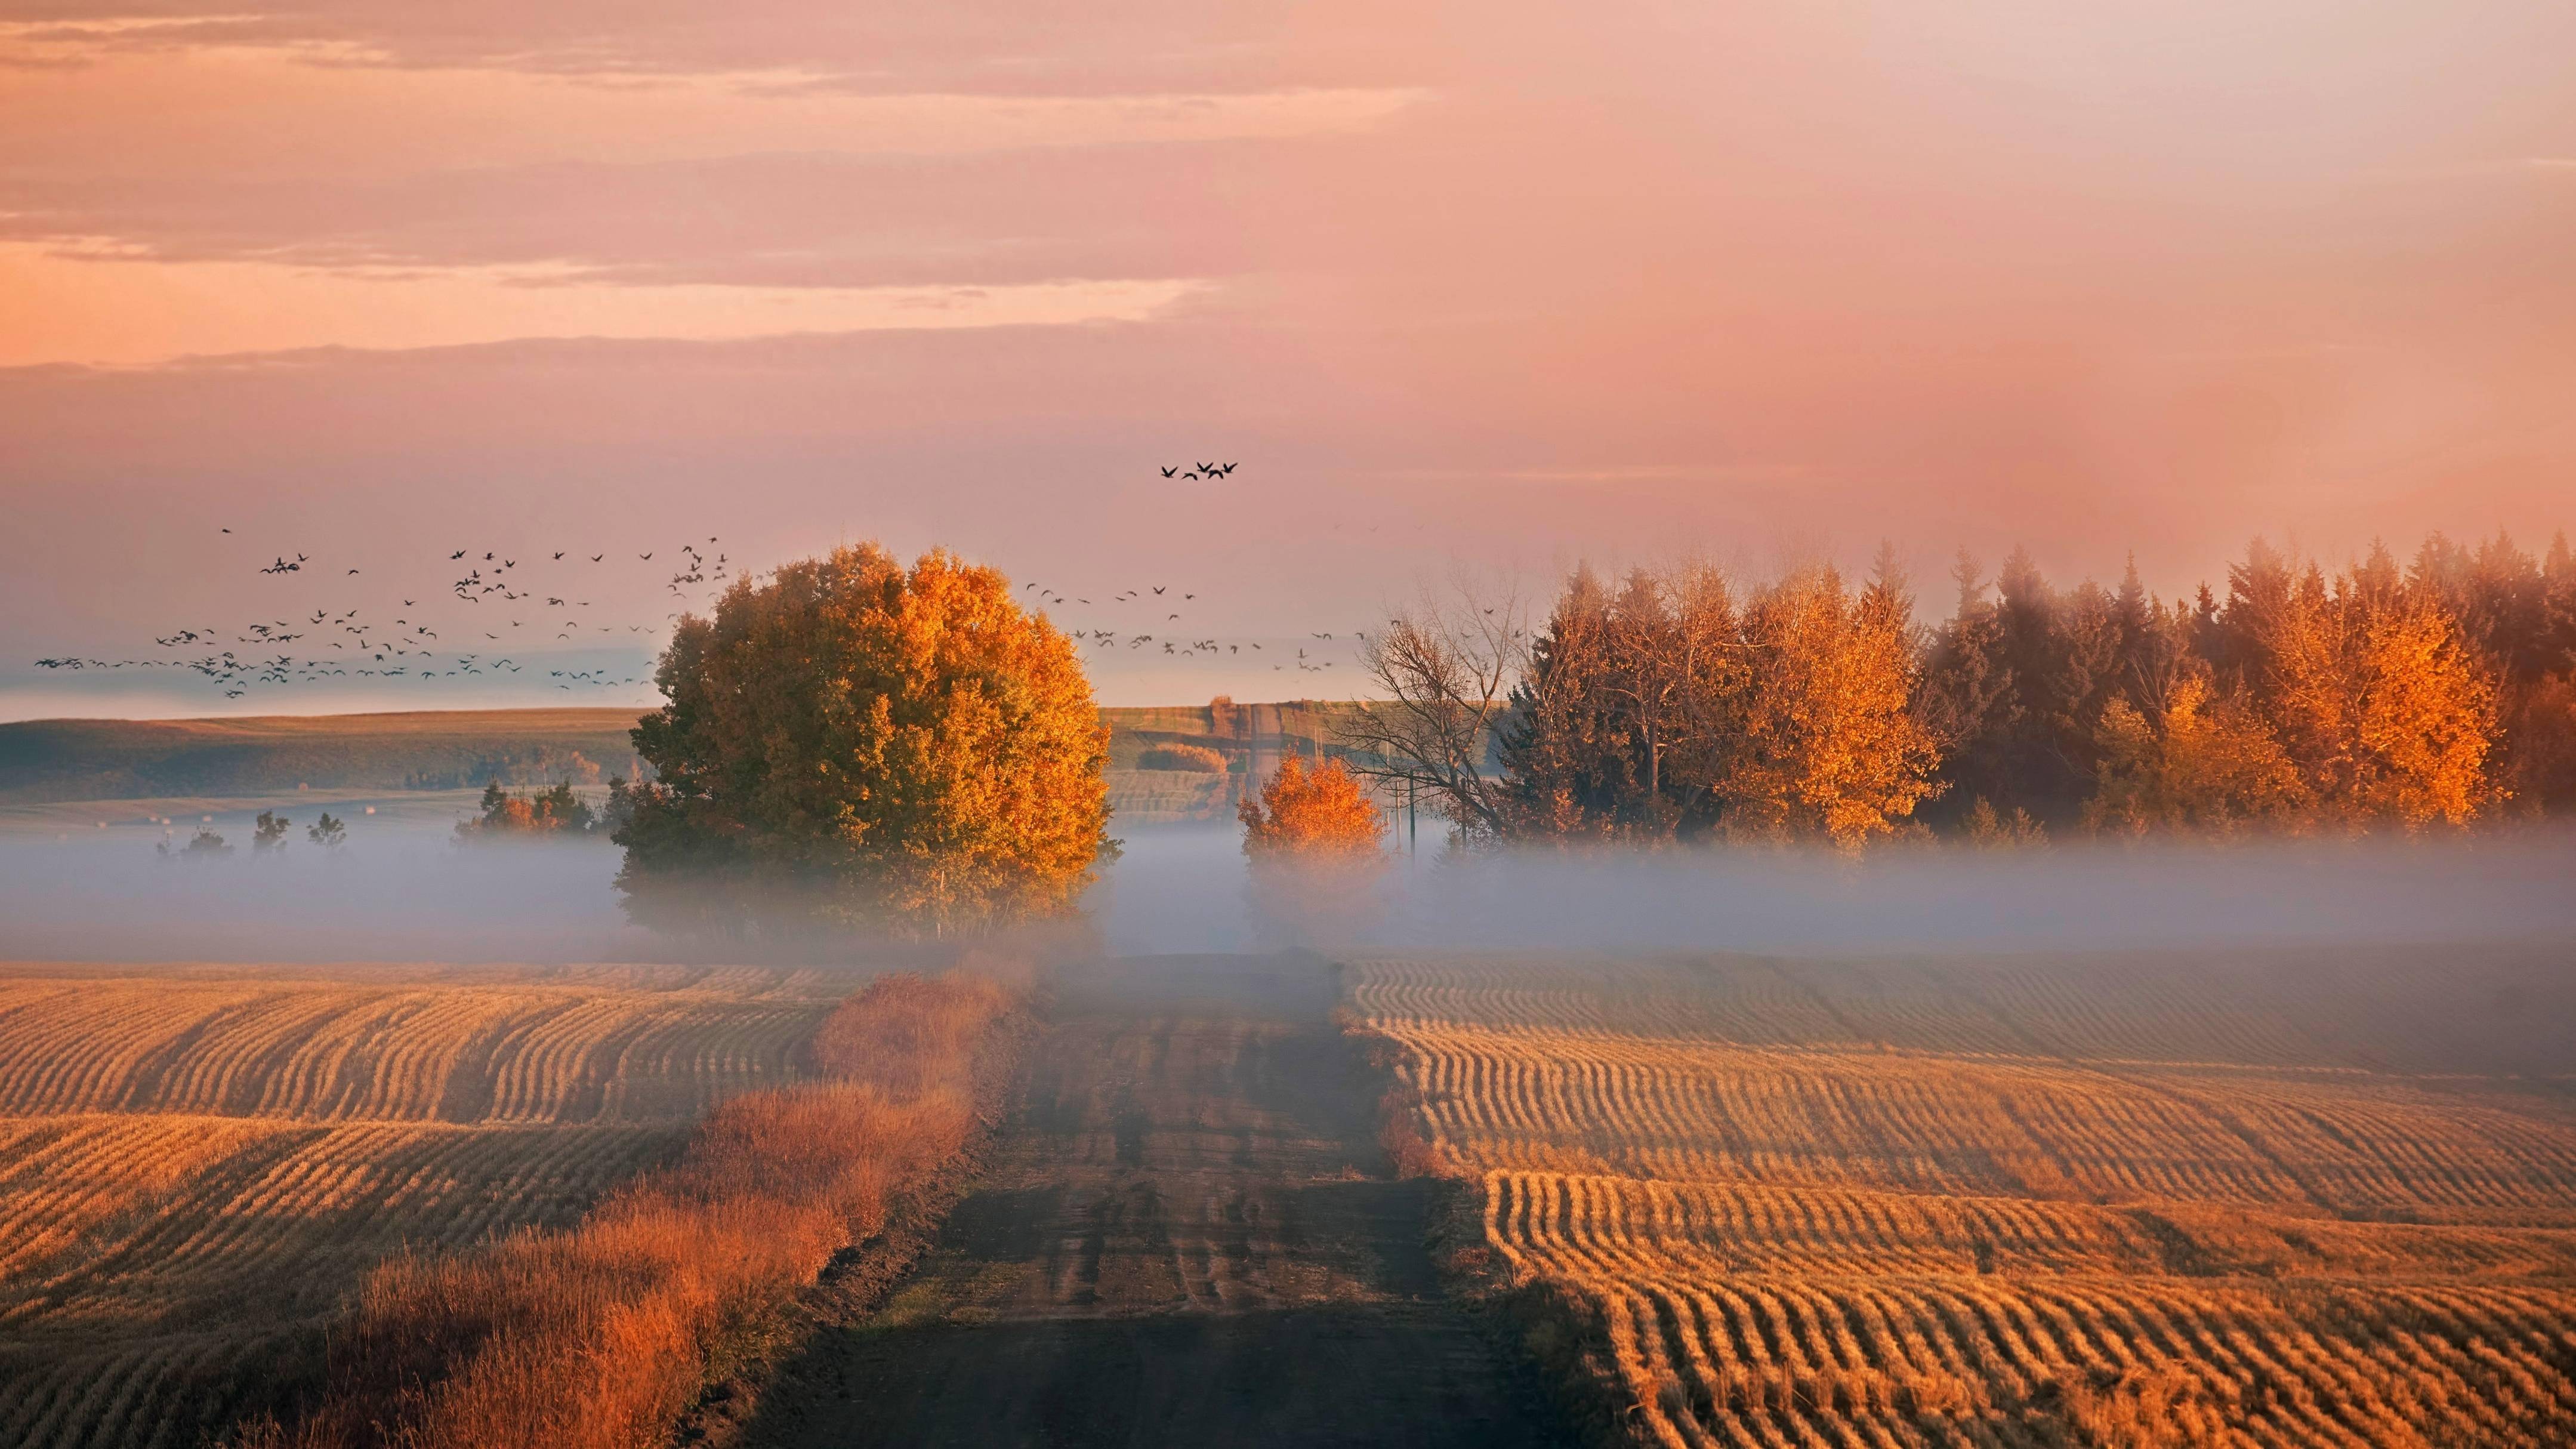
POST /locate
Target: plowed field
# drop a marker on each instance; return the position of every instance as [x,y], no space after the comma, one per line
[197,1164]
[2286,1202]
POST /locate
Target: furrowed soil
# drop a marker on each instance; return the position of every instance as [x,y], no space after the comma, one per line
[1187,1235]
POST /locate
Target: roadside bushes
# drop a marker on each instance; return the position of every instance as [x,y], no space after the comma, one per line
[603,1335]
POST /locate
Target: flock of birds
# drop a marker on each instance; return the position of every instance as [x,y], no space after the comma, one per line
[1155,596]
[352,643]
[518,608]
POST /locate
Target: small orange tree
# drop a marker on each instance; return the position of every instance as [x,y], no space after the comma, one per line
[864,744]
[1316,845]
[1313,815]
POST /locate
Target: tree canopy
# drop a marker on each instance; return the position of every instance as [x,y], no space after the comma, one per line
[1676,705]
[863,743]
[1317,814]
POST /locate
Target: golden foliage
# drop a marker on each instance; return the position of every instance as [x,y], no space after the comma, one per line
[1830,746]
[558,811]
[2201,766]
[905,744]
[2381,706]
[1317,849]
[1311,814]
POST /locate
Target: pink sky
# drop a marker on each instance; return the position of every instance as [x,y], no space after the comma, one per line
[1499,285]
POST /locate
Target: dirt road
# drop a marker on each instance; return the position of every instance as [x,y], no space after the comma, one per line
[1188,1237]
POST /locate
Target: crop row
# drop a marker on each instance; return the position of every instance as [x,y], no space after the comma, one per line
[1816,1359]
[1793,1218]
[314,1051]
[1711,1111]
[2164,1010]
[197,1167]
[1639,1228]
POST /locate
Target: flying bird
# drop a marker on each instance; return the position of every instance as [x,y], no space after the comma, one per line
[1168,472]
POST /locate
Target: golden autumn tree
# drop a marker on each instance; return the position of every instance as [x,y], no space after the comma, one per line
[2195,765]
[1317,845]
[1313,815]
[2378,700]
[856,742]
[1828,745]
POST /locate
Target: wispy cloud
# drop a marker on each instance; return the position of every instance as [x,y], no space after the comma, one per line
[73,306]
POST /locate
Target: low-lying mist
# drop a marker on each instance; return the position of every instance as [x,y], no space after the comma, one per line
[401,892]
[1182,889]
[406,891]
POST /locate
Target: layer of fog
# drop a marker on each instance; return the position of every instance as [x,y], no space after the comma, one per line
[403,890]
[399,890]
[1183,889]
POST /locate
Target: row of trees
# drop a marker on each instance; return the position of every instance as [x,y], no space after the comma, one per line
[1677,704]
[557,812]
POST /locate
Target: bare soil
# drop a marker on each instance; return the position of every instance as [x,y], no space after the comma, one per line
[1187,1235]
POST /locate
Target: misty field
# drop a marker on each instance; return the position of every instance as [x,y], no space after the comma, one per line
[2140,1201]
[199,1164]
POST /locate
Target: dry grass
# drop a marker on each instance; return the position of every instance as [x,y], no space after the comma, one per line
[2012,1204]
[199,1165]
[604,1334]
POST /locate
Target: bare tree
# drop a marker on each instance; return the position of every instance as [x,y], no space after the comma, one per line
[1445,671]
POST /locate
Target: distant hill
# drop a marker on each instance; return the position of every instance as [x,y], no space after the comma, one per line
[109,759]
[103,759]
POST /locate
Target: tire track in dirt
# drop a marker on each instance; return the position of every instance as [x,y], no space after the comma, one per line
[1187,1235]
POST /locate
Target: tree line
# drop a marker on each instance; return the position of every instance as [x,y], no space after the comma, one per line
[1678,704]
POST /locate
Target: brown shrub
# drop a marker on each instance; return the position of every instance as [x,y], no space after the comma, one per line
[605,1333]
[1197,758]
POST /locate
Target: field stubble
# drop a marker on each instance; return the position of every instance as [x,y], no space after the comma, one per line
[2137,1202]
[198,1164]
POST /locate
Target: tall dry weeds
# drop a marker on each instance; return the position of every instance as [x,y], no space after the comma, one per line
[602,1335]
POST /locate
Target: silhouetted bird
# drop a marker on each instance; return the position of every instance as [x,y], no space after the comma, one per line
[1168,472]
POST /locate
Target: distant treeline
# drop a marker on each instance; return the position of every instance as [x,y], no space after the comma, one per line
[1674,704]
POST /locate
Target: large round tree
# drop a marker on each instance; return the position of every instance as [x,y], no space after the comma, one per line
[865,744]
